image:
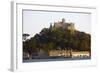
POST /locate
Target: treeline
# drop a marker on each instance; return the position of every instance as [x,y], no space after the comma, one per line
[51,38]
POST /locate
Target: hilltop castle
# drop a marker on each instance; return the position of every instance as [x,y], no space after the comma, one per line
[65,25]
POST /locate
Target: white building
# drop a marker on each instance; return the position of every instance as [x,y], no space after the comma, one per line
[64,53]
[81,54]
[71,54]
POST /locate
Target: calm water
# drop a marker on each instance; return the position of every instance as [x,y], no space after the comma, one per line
[57,59]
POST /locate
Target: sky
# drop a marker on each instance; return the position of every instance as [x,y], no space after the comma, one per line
[35,21]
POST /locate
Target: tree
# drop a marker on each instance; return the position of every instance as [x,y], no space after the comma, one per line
[50,38]
[25,36]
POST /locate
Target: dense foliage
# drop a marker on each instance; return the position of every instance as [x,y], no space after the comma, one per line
[51,38]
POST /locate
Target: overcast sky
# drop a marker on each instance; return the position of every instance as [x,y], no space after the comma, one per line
[35,21]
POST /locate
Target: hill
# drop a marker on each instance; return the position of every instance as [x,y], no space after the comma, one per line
[58,38]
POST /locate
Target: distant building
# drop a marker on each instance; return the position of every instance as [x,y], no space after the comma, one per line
[81,54]
[69,53]
[64,53]
[65,25]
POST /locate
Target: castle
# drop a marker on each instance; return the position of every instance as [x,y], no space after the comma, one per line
[65,25]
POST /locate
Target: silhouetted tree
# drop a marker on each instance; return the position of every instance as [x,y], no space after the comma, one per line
[25,36]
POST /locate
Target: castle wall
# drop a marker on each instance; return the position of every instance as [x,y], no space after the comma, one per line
[65,25]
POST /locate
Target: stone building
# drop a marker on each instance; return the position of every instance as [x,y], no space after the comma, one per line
[65,25]
[81,54]
[64,53]
[70,54]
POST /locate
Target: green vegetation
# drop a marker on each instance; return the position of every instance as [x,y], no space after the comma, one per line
[51,38]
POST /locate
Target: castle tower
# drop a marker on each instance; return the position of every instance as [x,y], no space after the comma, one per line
[63,20]
[50,26]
